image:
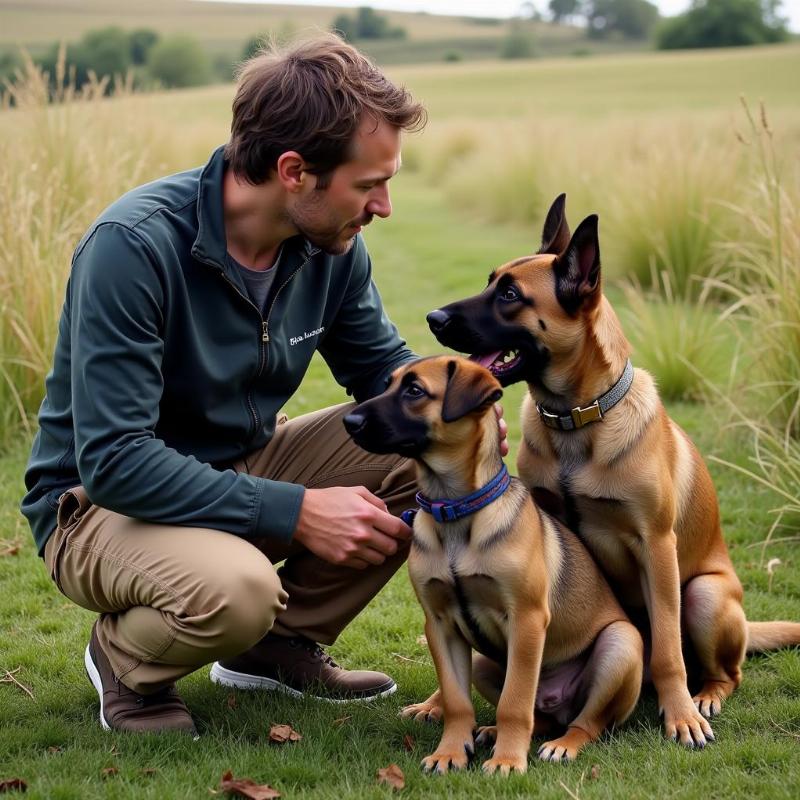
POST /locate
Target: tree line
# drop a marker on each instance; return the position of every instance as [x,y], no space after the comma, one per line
[707,23]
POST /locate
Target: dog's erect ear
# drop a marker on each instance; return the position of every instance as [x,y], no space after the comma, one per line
[578,267]
[555,234]
[468,389]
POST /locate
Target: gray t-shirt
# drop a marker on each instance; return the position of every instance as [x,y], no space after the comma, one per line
[257,281]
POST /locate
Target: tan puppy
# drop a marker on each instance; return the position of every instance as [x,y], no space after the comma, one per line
[506,581]
[600,452]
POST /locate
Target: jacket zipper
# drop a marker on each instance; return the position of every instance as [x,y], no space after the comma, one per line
[263,352]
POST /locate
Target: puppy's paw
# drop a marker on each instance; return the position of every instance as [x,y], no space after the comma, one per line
[423,712]
[685,724]
[446,758]
[506,763]
[486,735]
[566,747]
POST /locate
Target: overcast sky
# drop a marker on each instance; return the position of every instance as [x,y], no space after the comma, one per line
[498,8]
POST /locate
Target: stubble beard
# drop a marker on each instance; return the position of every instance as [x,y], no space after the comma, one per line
[328,235]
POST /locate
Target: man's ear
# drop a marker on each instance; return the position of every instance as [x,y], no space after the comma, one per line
[577,269]
[290,169]
[555,234]
[469,387]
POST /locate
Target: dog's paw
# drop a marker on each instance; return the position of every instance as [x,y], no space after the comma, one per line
[447,758]
[423,712]
[486,735]
[566,747]
[708,701]
[685,724]
[506,763]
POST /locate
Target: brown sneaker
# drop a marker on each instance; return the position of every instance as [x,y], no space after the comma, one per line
[122,709]
[300,668]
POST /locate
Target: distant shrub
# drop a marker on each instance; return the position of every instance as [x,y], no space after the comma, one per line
[631,19]
[105,52]
[366,24]
[519,43]
[453,55]
[178,62]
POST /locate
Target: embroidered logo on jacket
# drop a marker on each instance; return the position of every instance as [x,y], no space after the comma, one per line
[307,335]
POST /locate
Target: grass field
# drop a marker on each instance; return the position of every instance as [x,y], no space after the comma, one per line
[590,119]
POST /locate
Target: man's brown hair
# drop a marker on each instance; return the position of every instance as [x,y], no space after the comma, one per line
[311,98]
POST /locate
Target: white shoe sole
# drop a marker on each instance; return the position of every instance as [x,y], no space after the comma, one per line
[243,680]
[94,677]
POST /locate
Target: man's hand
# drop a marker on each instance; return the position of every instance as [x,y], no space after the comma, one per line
[349,526]
[501,424]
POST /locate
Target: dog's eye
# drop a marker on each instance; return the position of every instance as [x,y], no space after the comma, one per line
[509,294]
[414,391]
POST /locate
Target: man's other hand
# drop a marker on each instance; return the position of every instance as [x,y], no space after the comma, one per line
[349,526]
[501,424]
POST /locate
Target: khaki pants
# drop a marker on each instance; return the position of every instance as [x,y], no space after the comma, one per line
[173,598]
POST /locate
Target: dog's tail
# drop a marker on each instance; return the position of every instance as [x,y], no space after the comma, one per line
[771,635]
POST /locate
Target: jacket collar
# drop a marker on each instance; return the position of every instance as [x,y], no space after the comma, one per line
[210,245]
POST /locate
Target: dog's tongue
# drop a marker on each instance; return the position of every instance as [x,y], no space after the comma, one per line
[486,360]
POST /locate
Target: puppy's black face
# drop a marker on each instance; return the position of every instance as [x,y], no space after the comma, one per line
[390,423]
[424,406]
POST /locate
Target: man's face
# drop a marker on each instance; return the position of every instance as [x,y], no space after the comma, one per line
[358,190]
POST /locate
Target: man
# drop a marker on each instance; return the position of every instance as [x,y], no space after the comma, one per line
[160,489]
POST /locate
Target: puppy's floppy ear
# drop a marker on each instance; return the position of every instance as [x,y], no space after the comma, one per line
[577,269]
[555,234]
[468,388]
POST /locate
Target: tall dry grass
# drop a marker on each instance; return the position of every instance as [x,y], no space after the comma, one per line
[64,155]
[763,281]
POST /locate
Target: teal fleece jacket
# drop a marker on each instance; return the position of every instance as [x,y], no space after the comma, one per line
[165,373]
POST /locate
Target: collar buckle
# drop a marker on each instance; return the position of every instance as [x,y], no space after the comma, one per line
[583,416]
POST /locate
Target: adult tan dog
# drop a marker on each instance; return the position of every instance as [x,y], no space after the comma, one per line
[600,451]
[494,573]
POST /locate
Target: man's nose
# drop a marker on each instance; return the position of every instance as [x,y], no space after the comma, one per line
[379,203]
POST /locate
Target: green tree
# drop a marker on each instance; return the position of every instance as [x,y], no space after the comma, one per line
[140,41]
[179,61]
[561,9]
[253,45]
[723,23]
[632,19]
[367,24]
[346,27]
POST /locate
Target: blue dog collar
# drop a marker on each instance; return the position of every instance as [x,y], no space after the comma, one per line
[451,510]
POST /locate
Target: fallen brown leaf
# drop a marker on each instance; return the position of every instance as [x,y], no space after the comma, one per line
[280,734]
[408,742]
[149,771]
[109,772]
[422,640]
[392,776]
[595,773]
[247,788]
[13,785]
[342,720]
[231,700]
[10,551]
[53,749]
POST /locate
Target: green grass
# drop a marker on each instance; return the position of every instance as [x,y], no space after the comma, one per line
[424,256]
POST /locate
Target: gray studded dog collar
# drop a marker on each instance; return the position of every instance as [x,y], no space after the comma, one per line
[579,417]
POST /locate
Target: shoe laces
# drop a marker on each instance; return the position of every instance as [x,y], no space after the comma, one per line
[315,650]
[161,696]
